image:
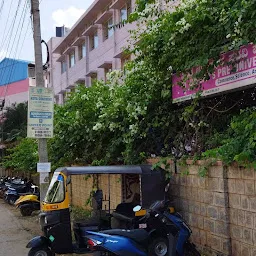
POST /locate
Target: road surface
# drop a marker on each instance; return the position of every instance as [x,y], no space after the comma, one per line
[13,237]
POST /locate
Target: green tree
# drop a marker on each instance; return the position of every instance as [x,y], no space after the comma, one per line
[22,157]
[15,122]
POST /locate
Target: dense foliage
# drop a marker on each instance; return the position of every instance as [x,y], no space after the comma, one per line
[20,154]
[238,143]
[179,37]
[175,38]
[113,123]
[15,122]
[22,157]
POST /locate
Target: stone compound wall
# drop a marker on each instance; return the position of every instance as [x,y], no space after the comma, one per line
[82,185]
[242,203]
[220,208]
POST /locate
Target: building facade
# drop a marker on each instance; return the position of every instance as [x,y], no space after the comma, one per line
[14,81]
[92,47]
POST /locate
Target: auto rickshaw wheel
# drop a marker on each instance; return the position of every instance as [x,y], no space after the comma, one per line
[26,211]
[41,251]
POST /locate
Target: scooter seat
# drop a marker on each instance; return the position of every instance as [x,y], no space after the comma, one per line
[85,223]
[138,235]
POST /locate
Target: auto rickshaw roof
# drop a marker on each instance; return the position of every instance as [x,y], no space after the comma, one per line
[111,169]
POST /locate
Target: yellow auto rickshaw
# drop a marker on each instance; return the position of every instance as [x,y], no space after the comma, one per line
[55,218]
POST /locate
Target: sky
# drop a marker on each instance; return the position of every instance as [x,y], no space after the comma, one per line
[16,38]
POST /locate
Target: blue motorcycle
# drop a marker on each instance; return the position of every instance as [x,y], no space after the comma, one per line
[163,234]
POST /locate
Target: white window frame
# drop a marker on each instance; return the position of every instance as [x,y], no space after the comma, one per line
[72,59]
[63,66]
[110,27]
[82,51]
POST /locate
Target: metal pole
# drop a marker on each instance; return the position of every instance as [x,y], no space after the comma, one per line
[42,143]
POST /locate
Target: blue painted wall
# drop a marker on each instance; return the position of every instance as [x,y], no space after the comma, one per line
[12,70]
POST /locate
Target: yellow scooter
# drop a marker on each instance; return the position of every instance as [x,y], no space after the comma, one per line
[29,202]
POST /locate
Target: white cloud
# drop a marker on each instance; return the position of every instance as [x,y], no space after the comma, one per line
[3,54]
[67,17]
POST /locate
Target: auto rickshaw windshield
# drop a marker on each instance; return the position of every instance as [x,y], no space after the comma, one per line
[56,190]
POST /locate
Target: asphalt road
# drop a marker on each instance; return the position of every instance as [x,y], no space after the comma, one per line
[13,238]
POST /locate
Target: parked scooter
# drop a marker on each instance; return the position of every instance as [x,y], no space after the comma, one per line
[16,190]
[29,203]
[164,234]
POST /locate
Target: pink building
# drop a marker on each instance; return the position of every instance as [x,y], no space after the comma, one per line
[91,48]
[15,79]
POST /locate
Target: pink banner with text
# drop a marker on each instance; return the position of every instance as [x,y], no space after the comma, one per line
[223,79]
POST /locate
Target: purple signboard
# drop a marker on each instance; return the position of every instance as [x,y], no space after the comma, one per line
[223,79]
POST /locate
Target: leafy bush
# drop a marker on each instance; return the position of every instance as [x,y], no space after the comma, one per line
[15,122]
[239,142]
[110,123]
[79,213]
[22,157]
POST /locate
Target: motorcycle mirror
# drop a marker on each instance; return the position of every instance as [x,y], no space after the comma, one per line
[137,208]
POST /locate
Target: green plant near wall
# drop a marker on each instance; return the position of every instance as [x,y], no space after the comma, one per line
[23,157]
[78,213]
[238,143]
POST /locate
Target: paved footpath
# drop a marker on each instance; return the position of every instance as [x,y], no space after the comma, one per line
[13,238]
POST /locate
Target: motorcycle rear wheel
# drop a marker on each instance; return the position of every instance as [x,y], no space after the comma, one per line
[26,211]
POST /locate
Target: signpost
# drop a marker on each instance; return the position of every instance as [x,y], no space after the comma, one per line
[40,126]
[40,113]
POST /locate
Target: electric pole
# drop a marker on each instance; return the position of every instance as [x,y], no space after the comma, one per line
[42,142]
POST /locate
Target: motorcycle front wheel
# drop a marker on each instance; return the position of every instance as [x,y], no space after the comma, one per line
[159,247]
[41,251]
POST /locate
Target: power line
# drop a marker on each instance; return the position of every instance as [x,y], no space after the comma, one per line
[23,15]
[21,22]
[2,42]
[5,36]
[1,8]
[11,29]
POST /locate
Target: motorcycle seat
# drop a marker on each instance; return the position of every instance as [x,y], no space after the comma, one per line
[137,235]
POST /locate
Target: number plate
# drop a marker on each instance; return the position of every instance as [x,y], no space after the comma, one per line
[144,225]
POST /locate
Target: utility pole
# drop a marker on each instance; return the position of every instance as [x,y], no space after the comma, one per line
[42,142]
